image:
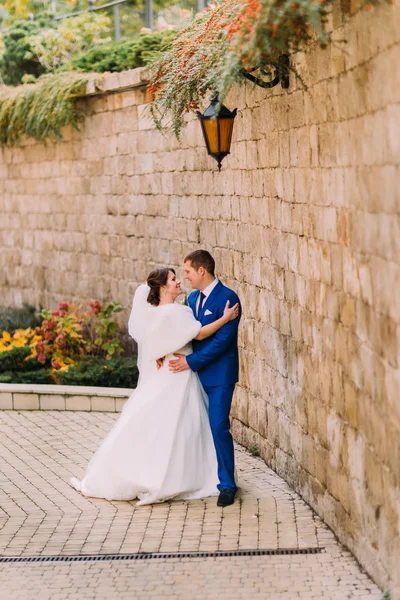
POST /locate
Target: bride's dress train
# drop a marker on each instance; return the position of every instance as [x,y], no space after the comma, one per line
[161,447]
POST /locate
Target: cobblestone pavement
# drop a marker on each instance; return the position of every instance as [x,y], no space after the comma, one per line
[325,576]
[41,514]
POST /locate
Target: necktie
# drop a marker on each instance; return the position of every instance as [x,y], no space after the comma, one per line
[202,296]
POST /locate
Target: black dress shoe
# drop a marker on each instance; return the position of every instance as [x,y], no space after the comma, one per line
[225,498]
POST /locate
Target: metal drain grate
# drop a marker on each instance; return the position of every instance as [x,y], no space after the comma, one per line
[102,557]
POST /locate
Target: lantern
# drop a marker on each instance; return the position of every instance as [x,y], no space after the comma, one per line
[217,130]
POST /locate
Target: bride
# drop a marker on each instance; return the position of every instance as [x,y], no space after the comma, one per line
[161,447]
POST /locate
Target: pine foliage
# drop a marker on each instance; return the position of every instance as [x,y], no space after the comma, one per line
[14,61]
[121,56]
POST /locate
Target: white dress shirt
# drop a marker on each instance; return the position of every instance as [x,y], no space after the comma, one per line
[206,292]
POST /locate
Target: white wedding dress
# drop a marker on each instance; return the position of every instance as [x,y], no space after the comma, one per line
[161,447]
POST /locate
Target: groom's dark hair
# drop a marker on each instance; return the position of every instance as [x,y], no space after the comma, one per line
[201,258]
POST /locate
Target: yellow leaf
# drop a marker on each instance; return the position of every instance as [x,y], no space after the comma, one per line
[19,343]
[6,336]
[22,333]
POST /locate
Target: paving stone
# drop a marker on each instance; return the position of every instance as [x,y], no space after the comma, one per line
[42,515]
[243,578]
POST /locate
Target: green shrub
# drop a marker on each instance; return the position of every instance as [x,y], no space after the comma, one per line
[14,360]
[121,56]
[73,36]
[91,371]
[16,60]
[16,367]
[12,319]
[32,364]
[119,372]
[38,376]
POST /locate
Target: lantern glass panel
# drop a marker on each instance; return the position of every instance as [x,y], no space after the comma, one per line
[211,131]
[225,134]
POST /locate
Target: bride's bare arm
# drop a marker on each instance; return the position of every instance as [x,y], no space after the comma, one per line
[229,315]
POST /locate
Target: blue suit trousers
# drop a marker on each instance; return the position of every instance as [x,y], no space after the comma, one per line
[220,400]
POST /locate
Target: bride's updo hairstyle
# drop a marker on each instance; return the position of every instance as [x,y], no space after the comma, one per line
[155,281]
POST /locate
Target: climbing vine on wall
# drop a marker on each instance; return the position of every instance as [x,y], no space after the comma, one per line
[212,52]
[40,110]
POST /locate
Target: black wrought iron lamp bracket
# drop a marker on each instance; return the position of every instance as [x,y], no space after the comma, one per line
[281,74]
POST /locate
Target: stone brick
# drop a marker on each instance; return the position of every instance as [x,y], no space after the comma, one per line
[119,404]
[351,402]
[51,402]
[23,401]
[102,403]
[268,151]
[373,477]
[6,401]
[77,403]
[347,312]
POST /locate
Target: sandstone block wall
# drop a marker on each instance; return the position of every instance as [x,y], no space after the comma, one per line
[304,222]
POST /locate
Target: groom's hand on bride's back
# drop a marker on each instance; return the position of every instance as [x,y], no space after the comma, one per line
[160,362]
[179,364]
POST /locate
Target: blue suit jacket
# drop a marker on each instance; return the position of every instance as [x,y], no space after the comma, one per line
[216,358]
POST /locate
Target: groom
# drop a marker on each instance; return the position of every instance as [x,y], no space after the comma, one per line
[216,360]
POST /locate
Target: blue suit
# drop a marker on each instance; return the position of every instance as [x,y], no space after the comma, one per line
[216,360]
